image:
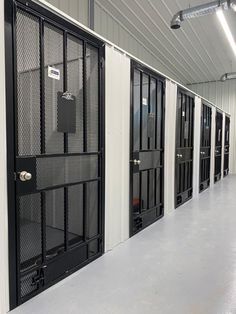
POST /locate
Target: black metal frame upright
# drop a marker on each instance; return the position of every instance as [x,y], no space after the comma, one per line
[205,147]
[184,146]
[218,145]
[144,217]
[227,145]
[44,16]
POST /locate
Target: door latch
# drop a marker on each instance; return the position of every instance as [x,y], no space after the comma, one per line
[136,162]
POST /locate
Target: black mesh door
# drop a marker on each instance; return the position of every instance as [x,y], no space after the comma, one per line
[146,170]
[184,147]
[205,147]
[227,145]
[59,155]
[218,145]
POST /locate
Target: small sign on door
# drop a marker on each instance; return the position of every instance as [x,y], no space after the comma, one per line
[53,73]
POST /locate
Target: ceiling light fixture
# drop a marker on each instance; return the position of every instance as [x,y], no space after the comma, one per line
[227,30]
[228,76]
[201,10]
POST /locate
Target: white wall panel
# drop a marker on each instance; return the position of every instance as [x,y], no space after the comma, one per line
[117,148]
[169,163]
[196,150]
[114,29]
[223,95]
[4,294]
[78,9]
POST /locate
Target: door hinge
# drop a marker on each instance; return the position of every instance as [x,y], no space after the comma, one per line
[102,63]
[38,279]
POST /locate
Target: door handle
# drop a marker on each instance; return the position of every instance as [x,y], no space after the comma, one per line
[179,156]
[136,162]
[25,176]
[203,153]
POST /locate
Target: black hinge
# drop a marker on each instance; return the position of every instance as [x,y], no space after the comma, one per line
[39,278]
[102,62]
[100,242]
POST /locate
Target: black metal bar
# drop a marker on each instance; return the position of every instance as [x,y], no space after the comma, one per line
[85,96]
[43,224]
[42,89]
[141,111]
[85,217]
[65,81]
[65,86]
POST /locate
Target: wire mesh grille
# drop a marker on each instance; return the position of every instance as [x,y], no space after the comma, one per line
[27,285]
[50,217]
[54,219]
[53,56]
[30,230]
[75,213]
[92,104]
[28,83]
[75,86]
[92,208]
[64,170]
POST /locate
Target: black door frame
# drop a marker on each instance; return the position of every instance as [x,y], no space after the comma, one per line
[10,72]
[205,184]
[226,147]
[142,68]
[188,93]
[218,176]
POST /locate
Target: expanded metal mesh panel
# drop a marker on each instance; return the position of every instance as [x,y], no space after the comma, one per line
[28,84]
[54,219]
[53,57]
[92,105]
[92,208]
[30,229]
[75,86]
[75,213]
[64,170]
[27,285]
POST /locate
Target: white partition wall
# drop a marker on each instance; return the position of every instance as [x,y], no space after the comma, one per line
[4,294]
[213,146]
[169,149]
[117,147]
[196,151]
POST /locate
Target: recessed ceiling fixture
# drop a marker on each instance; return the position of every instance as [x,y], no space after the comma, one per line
[227,30]
[200,10]
[228,76]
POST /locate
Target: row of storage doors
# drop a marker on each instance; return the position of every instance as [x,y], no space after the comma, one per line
[57,109]
[147,147]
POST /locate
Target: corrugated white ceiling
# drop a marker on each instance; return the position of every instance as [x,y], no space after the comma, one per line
[197,52]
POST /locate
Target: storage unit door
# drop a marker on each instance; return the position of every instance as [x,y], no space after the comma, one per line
[58,145]
[218,145]
[205,147]
[146,164]
[227,145]
[184,147]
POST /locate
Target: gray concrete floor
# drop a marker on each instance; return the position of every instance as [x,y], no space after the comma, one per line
[183,264]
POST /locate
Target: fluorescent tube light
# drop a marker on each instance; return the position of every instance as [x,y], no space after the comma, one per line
[226,29]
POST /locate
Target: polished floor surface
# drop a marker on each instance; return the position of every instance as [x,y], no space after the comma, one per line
[183,264]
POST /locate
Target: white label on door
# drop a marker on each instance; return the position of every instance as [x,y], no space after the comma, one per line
[145,101]
[183,113]
[54,73]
